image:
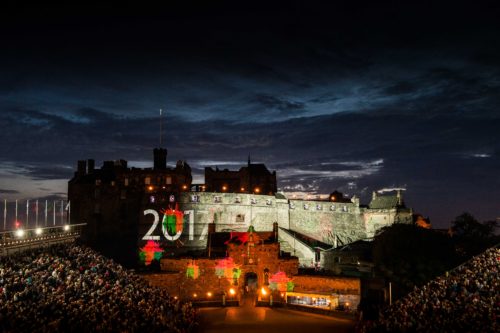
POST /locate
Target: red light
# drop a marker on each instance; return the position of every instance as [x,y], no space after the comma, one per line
[17,224]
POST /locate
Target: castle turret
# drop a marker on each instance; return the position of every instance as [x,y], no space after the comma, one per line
[82,167]
[160,159]
[91,166]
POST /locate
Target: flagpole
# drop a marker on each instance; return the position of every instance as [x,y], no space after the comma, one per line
[46,202]
[36,214]
[161,121]
[5,214]
[16,212]
[27,213]
[54,210]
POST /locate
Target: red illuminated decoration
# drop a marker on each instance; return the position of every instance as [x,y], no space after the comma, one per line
[238,237]
[150,251]
[226,268]
[281,282]
[173,220]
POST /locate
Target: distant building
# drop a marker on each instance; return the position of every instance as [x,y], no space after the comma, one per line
[253,178]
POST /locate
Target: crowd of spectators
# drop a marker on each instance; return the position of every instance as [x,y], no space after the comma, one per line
[71,288]
[464,300]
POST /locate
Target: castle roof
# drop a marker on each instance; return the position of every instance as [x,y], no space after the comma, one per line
[258,168]
[384,202]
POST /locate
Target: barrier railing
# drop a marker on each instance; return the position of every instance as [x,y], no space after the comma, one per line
[35,237]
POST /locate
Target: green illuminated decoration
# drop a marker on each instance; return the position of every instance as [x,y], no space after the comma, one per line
[193,271]
[151,251]
[281,282]
[226,268]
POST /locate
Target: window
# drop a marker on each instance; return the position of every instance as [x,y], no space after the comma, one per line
[344,208]
[195,198]
[319,207]
[292,205]
[126,182]
[123,194]
[168,180]
[240,218]
[152,199]
[332,208]
[98,182]
[237,200]
[253,201]
[147,180]
[306,206]
[218,199]
[269,202]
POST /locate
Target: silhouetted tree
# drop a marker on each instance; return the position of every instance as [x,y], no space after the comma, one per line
[408,255]
[472,237]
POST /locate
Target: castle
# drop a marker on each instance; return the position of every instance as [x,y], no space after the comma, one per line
[124,208]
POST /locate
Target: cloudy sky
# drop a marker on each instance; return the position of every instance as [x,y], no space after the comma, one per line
[345,96]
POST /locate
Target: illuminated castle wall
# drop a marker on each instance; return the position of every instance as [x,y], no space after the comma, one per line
[333,223]
[125,208]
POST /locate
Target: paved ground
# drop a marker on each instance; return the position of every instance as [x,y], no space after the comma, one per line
[248,318]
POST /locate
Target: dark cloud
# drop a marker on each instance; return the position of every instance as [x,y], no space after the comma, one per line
[5,191]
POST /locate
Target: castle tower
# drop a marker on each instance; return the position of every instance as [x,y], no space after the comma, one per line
[160,158]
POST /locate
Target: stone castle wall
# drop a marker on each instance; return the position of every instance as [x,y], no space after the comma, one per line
[328,222]
[332,223]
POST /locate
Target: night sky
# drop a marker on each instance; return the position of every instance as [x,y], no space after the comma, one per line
[345,96]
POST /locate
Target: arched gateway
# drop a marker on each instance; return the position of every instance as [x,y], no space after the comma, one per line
[251,282]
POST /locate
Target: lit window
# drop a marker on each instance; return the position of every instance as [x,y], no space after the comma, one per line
[147,180]
[195,198]
[152,199]
[126,181]
[168,181]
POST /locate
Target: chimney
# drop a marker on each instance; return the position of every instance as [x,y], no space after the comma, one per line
[91,165]
[160,159]
[82,167]
[374,195]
